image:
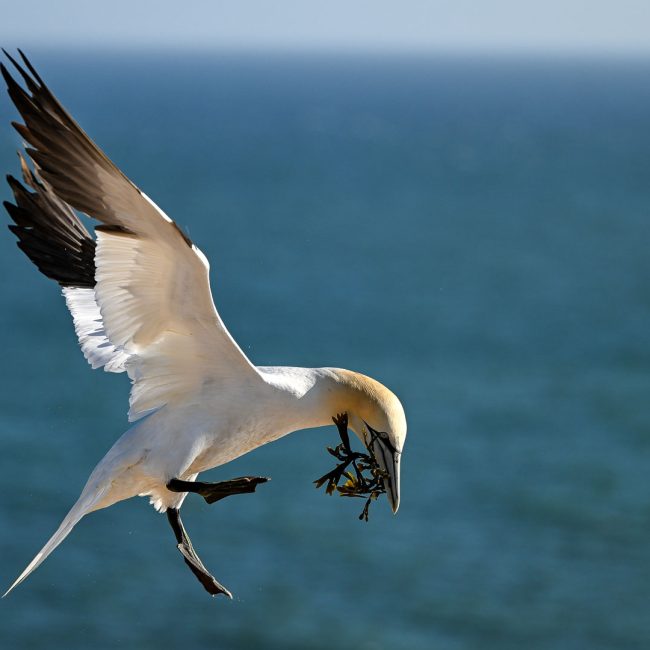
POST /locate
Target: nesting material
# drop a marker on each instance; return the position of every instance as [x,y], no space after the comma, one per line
[362,476]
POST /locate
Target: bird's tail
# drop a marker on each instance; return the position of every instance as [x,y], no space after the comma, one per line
[85,504]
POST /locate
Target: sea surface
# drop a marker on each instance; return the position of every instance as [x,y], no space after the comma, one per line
[473,233]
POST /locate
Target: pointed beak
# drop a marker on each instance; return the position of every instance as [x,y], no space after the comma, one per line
[389,461]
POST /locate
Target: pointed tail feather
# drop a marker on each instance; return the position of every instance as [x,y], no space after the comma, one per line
[84,505]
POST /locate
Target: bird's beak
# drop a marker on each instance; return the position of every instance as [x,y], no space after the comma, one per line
[389,461]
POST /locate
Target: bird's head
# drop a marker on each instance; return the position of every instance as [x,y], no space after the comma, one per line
[377,417]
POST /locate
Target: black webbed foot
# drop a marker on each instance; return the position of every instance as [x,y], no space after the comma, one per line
[184,545]
[213,492]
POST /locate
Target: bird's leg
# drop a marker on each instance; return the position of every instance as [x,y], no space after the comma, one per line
[184,545]
[213,492]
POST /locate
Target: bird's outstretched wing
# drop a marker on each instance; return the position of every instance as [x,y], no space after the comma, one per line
[140,294]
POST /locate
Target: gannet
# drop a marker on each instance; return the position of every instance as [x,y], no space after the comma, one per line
[140,299]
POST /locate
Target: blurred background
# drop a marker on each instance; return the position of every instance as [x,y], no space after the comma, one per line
[452,198]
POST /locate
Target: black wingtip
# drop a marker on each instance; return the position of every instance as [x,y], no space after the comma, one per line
[30,67]
[12,85]
[14,184]
[31,82]
[11,58]
[5,74]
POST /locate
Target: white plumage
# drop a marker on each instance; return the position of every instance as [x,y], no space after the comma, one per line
[140,300]
[89,327]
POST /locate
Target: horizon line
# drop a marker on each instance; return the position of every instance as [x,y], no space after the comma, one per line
[480,50]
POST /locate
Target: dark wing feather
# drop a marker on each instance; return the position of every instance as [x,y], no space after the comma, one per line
[74,166]
[50,233]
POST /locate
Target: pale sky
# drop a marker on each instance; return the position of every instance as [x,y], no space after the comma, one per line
[554,26]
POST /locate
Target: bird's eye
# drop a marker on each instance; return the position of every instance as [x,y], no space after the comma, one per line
[381,435]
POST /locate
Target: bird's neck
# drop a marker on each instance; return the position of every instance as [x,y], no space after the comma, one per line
[303,398]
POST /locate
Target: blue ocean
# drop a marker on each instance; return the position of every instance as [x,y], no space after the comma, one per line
[474,233]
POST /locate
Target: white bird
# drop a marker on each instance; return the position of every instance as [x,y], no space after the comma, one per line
[140,299]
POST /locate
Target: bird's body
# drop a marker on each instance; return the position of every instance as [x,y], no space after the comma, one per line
[140,299]
[218,425]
